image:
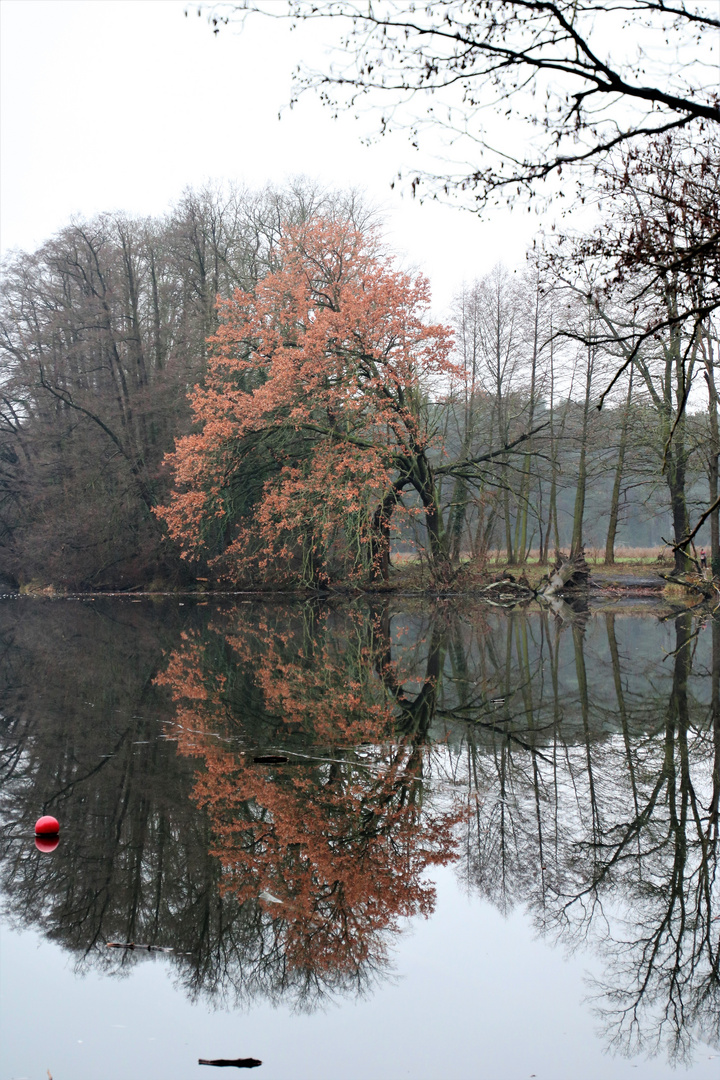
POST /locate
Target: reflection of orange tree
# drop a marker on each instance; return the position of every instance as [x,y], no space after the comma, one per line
[341,835]
[321,676]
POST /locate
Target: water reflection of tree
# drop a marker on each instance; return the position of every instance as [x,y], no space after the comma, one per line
[591,769]
[330,849]
[80,738]
[84,735]
[607,827]
[574,756]
[656,864]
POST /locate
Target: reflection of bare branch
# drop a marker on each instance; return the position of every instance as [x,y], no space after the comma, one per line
[619,828]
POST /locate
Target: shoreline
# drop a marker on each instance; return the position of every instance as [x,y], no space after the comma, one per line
[621,585]
[642,581]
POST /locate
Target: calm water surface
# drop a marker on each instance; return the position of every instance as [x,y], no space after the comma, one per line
[370,841]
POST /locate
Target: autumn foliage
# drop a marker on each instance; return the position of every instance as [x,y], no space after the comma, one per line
[311,420]
[342,834]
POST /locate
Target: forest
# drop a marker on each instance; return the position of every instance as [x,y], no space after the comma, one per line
[251,390]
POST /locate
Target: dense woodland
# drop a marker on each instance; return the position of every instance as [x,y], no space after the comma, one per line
[123,339]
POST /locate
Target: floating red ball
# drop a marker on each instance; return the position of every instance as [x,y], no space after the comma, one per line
[47,843]
[47,826]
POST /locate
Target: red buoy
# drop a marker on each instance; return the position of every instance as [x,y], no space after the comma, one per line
[47,843]
[47,826]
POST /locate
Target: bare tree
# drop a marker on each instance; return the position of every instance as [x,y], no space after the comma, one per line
[551,65]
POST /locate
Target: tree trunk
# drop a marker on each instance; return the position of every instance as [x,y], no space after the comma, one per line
[678,502]
[713,453]
[579,511]
[380,542]
[424,483]
[675,443]
[521,544]
[506,511]
[615,500]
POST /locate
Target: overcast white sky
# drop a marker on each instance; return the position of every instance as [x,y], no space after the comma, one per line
[119,104]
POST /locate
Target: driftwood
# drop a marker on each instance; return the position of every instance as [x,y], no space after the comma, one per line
[694,583]
[133,945]
[505,591]
[570,573]
[569,576]
[239,1063]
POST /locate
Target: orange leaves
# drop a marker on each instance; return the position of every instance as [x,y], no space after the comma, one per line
[342,834]
[312,404]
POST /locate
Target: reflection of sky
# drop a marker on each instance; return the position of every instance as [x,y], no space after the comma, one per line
[476,995]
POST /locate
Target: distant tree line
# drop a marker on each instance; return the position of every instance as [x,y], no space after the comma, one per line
[314,421]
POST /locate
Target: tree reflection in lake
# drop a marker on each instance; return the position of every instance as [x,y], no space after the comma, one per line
[567,768]
[328,850]
[606,826]
[655,868]
[81,726]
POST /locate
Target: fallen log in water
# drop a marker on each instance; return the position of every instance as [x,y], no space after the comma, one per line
[694,583]
[570,572]
[569,576]
[133,945]
[239,1063]
[506,592]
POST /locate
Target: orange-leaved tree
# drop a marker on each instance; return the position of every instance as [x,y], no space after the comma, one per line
[314,416]
[328,842]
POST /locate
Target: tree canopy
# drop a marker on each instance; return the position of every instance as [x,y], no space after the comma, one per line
[311,417]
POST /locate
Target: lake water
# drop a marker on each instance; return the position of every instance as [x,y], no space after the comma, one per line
[363,839]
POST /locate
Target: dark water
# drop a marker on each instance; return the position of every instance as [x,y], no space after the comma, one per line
[374,841]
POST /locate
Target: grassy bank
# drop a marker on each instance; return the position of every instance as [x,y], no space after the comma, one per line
[643,564]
